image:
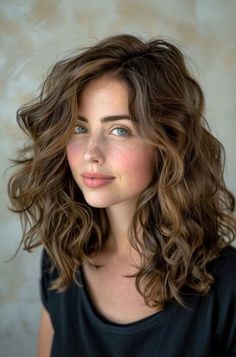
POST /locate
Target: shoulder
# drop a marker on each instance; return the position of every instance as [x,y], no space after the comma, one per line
[223,269]
[45,260]
[48,270]
[225,263]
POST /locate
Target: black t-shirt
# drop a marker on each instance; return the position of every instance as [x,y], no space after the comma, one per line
[206,328]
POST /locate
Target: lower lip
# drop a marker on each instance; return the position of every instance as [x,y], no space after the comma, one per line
[95,183]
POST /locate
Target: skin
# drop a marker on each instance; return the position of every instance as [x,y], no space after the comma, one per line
[45,335]
[110,147]
[115,149]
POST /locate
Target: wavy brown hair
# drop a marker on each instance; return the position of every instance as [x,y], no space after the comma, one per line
[186,213]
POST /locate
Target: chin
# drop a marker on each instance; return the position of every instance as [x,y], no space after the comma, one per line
[108,202]
[101,201]
[98,203]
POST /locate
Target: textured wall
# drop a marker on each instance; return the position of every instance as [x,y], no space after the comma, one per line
[36,33]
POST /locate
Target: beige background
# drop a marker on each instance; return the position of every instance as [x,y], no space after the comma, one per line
[33,35]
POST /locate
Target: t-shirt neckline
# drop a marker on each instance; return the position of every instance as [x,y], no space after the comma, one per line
[123,329]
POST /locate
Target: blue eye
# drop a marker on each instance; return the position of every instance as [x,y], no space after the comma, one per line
[80,129]
[121,132]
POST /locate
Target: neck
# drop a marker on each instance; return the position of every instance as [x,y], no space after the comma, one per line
[120,220]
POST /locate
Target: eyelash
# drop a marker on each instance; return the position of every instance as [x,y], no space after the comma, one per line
[116,128]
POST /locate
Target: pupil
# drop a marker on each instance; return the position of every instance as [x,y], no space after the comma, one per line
[121,131]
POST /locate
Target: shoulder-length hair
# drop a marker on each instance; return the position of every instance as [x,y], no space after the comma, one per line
[186,213]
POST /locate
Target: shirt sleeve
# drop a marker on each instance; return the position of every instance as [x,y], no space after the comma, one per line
[44,279]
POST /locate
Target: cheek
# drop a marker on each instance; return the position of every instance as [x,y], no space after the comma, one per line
[73,153]
[137,164]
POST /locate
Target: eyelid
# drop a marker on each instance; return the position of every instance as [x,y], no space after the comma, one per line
[113,126]
[79,124]
[129,132]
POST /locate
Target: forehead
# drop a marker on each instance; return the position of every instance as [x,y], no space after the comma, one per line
[104,91]
[103,100]
[106,96]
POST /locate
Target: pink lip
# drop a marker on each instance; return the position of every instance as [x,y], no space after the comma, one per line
[95,179]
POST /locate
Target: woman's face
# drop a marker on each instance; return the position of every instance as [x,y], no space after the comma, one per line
[109,161]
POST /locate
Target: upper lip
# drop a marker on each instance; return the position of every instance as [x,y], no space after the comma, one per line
[96,175]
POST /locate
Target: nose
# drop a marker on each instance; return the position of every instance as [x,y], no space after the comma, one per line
[94,152]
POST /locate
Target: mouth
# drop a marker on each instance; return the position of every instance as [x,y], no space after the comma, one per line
[95,180]
[96,175]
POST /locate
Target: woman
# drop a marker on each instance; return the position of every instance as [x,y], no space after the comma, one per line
[122,184]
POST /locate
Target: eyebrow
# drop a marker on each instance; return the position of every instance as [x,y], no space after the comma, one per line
[108,118]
